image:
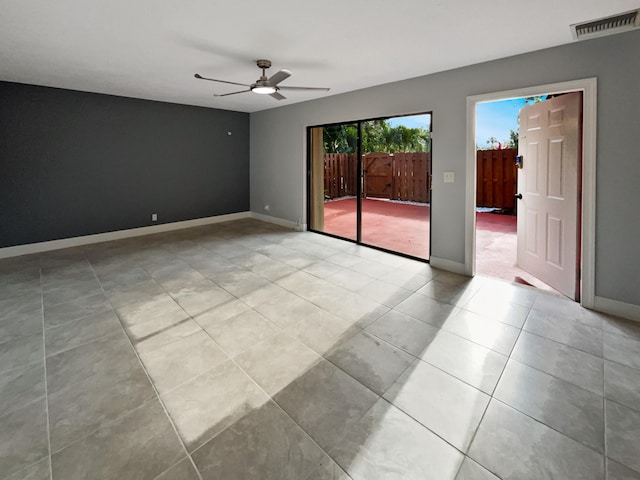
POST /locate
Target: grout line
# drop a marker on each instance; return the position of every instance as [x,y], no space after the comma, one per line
[208,334]
[105,425]
[555,377]
[605,444]
[491,396]
[233,360]
[158,396]
[153,386]
[270,397]
[509,358]
[46,380]
[563,344]
[82,344]
[528,415]
[327,452]
[549,426]
[465,338]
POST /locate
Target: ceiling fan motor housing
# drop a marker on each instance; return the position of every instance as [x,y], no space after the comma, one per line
[264,63]
[264,85]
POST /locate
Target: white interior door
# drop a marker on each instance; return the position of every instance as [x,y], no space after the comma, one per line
[550,143]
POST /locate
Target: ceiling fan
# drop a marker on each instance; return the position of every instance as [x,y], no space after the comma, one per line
[264,86]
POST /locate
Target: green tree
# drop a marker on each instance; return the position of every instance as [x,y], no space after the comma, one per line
[377,136]
[513,139]
[341,138]
[536,99]
[405,139]
[374,134]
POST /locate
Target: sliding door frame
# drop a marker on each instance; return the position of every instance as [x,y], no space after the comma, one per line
[359,183]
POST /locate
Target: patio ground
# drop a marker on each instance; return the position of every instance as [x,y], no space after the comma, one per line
[404,228]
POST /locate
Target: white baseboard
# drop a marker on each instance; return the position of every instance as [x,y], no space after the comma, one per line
[279,221]
[448,265]
[17,250]
[620,309]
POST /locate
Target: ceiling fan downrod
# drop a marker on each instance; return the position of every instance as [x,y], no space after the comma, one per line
[263,64]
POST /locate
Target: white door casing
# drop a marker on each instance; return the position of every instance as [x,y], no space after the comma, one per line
[589,88]
[550,144]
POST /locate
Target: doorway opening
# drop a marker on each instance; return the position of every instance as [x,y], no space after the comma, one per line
[546,165]
[497,138]
[370,182]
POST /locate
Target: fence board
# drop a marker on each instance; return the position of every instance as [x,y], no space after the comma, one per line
[350,176]
[339,174]
[411,177]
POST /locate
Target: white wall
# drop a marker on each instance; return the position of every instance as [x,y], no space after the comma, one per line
[278,145]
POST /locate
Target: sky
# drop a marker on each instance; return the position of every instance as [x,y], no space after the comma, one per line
[495,119]
[412,121]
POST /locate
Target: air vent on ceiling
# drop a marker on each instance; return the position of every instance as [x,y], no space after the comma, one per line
[606,26]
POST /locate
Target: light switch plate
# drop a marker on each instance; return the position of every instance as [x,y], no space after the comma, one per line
[449,177]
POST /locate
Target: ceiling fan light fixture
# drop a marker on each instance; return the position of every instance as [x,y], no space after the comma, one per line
[264,85]
[264,89]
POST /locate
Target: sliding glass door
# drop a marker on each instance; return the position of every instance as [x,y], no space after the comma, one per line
[370,182]
[396,166]
[334,180]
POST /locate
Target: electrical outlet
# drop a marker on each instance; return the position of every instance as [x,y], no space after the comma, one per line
[266,207]
[449,177]
[154,217]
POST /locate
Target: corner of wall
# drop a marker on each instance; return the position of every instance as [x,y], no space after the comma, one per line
[280,221]
[448,265]
[614,307]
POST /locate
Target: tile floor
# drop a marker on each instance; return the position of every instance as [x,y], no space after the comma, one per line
[245,351]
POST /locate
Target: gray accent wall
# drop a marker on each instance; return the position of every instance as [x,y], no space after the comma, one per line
[75,163]
[278,145]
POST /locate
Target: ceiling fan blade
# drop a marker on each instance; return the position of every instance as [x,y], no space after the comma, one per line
[200,77]
[232,93]
[278,77]
[304,88]
[277,96]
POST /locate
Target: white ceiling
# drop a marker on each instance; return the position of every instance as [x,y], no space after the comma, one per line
[151,48]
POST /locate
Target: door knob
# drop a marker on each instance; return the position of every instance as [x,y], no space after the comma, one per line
[518,196]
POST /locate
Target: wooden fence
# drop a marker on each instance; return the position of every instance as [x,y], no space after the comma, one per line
[399,176]
[497,178]
[407,176]
[340,174]
[411,177]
